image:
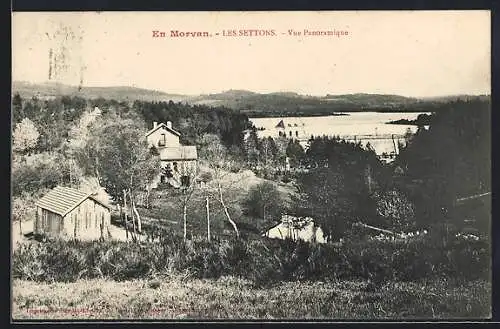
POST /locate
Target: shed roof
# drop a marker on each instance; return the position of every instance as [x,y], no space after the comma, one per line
[178,153]
[62,200]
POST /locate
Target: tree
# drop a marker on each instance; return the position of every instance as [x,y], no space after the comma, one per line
[396,209]
[449,161]
[25,136]
[295,152]
[38,171]
[123,160]
[216,157]
[268,150]
[23,208]
[17,108]
[251,144]
[337,193]
[264,201]
[187,192]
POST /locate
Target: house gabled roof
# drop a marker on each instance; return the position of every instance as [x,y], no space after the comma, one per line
[162,125]
[62,200]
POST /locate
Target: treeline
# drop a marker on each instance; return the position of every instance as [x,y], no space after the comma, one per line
[269,152]
[53,118]
[421,120]
[291,104]
[449,161]
[346,184]
[194,121]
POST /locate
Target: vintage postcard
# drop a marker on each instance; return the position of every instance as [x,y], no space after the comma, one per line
[251,165]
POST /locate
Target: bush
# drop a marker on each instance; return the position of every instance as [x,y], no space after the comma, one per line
[264,201]
[23,207]
[263,261]
[38,172]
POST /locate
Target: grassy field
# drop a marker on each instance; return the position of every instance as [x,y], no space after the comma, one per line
[233,298]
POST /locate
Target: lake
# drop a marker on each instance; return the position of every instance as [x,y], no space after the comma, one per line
[364,127]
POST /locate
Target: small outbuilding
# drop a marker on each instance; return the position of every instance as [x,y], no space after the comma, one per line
[72,214]
[296,228]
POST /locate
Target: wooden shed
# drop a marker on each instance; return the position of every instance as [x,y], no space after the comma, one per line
[69,213]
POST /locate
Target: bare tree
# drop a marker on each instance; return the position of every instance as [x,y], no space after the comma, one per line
[187,192]
[124,162]
[208,219]
[217,159]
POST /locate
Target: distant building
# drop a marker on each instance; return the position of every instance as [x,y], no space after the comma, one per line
[96,112]
[295,228]
[178,161]
[72,214]
[291,130]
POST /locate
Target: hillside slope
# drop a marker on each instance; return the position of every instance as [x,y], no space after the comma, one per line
[248,102]
[118,93]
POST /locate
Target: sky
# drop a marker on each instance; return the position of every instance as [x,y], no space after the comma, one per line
[410,53]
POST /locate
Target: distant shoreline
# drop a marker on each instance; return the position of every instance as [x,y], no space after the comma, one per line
[291,114]
[336,113]
[422,120]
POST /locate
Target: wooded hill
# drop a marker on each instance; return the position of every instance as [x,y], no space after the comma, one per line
[251,103]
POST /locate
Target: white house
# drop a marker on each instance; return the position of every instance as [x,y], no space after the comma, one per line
[178,161]
[295,228]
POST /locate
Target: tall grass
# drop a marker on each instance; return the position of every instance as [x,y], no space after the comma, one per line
[261,261]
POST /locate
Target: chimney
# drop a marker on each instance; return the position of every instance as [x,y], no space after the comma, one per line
[155,124]
[169,124]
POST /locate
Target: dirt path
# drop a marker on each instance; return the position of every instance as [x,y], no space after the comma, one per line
[17,237]
[117,233]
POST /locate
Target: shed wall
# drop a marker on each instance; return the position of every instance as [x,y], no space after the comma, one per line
[47,222]
[84,222]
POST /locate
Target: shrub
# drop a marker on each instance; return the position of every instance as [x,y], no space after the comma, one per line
[23,207]
[264,201]
[263,261]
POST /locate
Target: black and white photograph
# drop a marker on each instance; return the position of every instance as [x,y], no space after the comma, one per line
[265,165]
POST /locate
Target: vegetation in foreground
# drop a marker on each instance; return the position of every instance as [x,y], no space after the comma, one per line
[262,261]
[230,297]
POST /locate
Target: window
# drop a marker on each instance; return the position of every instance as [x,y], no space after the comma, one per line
[175,167]
[163,140]
[162,179]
